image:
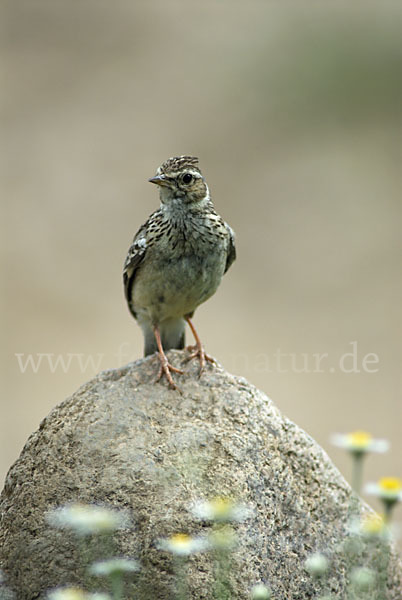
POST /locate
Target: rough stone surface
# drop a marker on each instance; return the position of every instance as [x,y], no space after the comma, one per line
[124,441]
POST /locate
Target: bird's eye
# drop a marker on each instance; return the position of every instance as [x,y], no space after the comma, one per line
[187,178]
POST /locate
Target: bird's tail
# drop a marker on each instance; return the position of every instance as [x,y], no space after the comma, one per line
[172,335]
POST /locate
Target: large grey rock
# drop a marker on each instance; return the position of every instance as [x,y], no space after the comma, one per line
[128,442]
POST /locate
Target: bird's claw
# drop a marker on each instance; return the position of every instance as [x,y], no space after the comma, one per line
[199,352]
[165,369]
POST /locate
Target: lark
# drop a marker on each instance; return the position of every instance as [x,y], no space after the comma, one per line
[176,261]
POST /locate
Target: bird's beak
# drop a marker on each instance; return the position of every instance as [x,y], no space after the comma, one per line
[159,180]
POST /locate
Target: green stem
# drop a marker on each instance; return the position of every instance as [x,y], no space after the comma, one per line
[357,472]
[117,584]
[222,572]
[84,552]
[181,577]
[388,507]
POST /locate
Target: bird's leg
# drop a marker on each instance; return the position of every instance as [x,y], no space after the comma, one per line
[198,351]
[165,367]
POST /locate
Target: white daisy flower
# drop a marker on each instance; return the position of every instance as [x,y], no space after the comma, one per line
[260,592]
[87,519]
[388,489]
[220,510]
[182,544]
[316,564]
[359,442]
[74,594]
[114,565]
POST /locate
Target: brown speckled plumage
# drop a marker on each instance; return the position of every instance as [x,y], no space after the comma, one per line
[177,258]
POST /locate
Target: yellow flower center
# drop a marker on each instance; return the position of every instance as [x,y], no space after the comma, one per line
[359,439]
[221,506]
[373,524]
[180,539]
[390,484]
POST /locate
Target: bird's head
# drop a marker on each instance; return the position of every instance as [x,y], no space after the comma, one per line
[180,179]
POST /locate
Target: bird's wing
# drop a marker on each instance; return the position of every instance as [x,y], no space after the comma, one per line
[135,256]
[231,253]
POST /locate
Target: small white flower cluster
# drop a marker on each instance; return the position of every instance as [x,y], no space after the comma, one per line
[86,520]
[220,511]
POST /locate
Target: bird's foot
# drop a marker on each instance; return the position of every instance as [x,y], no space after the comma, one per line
[166,370]
[198,351]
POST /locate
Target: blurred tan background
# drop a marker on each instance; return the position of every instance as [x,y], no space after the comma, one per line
[295,112]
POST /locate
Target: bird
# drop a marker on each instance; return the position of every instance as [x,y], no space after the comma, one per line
[176,262]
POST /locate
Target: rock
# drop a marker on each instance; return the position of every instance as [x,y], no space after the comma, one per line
[123,441]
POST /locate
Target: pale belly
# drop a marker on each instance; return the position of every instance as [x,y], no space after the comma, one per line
[172,289]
